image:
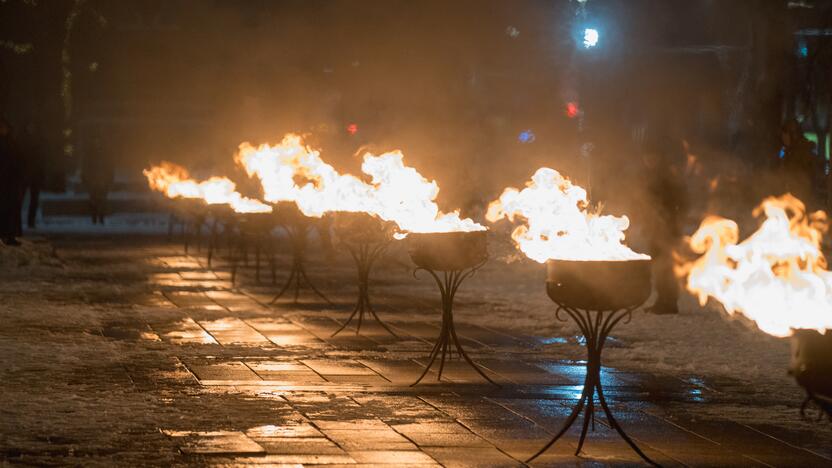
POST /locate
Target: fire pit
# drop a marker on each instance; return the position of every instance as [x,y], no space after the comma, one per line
[297,228]
[458,255]
[812,368]
[778,279]
[367,238]
[253,229]
[597,295]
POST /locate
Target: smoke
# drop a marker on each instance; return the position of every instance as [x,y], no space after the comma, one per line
[451,84]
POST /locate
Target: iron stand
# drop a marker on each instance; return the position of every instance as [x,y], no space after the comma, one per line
[595,326]
[261,241]
[297,233]
[365,255]
[448,285]
[198,221]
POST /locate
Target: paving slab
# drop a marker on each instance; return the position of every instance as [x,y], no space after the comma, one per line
[215,443]
[236,383]
[233,331]
[184,331]
[224,371]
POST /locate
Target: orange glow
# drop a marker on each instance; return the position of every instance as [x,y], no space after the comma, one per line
[554,222]
[291,171]
[776,277]
[174,181]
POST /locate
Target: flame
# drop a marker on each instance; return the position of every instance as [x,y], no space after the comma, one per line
[776,277]
[291,171]
[556,223]
[175,182]
[402,195]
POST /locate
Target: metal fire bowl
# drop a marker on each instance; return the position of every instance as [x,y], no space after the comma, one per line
[186,207]
[256,222]
[288,213]
[221,211]
[360,228]
[448,251]
[598,285]
[811,363]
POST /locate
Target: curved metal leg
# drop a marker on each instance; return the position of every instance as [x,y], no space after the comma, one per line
[212,240]
[257,262]
[285,287]
[576,411]
[171,219]
[441,341]
[448,339]
[365,256]
[620,431]
[312,287]
[595,329]
[354,311]
[185,238]
[297,236]
[375,315]
[465,356]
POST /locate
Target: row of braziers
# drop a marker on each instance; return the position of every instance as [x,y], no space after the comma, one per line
[597,295]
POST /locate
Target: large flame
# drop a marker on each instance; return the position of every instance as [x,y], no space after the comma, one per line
[175,182]
[554,222]
[291,171]
[777,277]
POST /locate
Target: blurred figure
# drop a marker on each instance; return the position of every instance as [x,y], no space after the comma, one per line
[97,177]
[34,156]
[798,162]
[667,199]
[11,184]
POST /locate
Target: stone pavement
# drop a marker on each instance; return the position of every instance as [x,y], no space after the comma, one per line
[269,385]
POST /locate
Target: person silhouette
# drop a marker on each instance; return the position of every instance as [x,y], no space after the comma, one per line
[97,177]
[11,184]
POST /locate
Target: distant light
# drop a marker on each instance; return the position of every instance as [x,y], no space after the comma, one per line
[590,37]
[526,136]
[352,129]
[512,32]
[802,48]
[782,154]
[572,109]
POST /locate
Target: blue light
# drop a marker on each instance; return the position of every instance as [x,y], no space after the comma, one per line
[553,340]
[526,136]
[802,48]
[782,153]
[591,37]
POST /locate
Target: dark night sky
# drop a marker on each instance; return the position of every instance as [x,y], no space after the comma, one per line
[187,80]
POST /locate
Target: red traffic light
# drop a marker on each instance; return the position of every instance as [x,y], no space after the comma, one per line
[572,109]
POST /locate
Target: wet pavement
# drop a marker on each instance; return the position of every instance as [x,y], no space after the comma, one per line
[195,370]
